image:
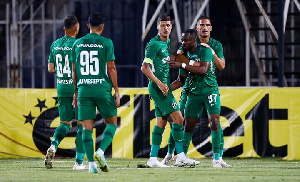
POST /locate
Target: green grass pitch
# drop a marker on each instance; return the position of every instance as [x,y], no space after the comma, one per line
[254,169]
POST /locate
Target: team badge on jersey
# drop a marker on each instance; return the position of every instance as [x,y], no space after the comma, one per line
[174,104]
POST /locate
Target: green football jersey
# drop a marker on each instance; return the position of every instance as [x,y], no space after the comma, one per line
[202,84]
[157,53]
[60,53]
[90,55]
[215,45]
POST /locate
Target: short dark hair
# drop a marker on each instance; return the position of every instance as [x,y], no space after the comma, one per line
[95,19]
[203,18]
[70,21]
[163,18]
[192,32]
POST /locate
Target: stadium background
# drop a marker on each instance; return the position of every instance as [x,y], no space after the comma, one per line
[269,58]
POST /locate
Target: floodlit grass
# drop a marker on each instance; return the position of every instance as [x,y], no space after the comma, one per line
[266,169]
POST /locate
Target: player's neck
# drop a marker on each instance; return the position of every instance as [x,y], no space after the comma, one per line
[163,38]
[204,39]
[69,34]
[192,50]
[96,31]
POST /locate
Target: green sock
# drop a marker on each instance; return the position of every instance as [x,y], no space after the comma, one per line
[171,144]
[222,140]
[79,145]
[215,137]
[156,140]
[178,136]
[107,136]
[88,144]
[60,134]
[187,137]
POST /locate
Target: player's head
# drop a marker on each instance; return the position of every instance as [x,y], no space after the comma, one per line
[164,26]
[204,27]
[188,39]
[71,24]
[96,21]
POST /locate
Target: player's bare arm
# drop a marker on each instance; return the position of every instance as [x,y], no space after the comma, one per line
[219,62]
[51,68]
[201,69]
[146,70]
[74,76]
[179,82]
[112,72]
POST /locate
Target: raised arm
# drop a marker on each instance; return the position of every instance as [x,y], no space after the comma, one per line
[219,62]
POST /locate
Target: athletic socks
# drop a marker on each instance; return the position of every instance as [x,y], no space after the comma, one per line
[187,137]
[156,140]
[221,141]
[171,144]
[178,136]
[88,144]
[216,138]
[60,134]
[107,136]
[79,145]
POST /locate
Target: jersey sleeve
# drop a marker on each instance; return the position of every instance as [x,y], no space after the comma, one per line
[151,51]
[206,55]
[73,55]
[51,58]
[180,48]
[110,55]
[219,50]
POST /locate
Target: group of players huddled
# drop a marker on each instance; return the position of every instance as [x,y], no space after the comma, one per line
[78,61]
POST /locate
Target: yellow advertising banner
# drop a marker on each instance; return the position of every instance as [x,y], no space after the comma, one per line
[256,122]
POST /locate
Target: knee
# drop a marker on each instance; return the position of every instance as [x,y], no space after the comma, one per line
[189,127]
[214,123]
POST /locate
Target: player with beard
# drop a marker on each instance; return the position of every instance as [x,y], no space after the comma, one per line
[203,89]
[204,29]
[59,64]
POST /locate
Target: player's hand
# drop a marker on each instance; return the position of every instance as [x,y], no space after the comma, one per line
[174,64]
[164,88]
[75,102]
[117,99]
[206,45]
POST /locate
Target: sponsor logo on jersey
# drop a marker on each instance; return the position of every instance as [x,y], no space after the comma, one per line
[66,82]
[90,45]
[63,48]
[91,81]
